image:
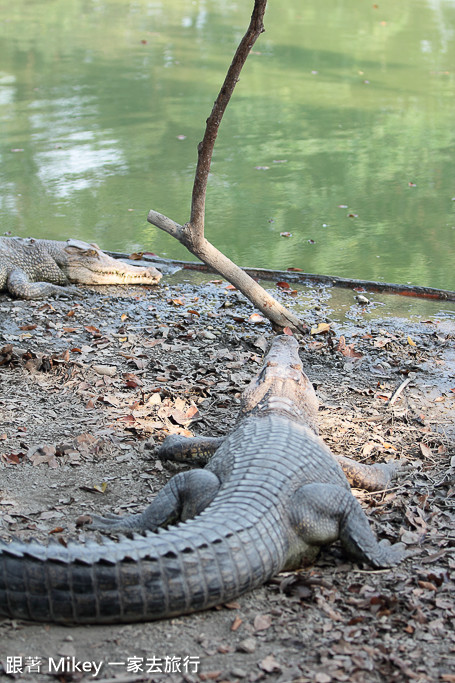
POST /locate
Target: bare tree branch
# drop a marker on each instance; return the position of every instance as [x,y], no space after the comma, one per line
[205,148]
[167,224]
[191,235]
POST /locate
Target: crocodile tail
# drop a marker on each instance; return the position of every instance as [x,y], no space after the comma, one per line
[150,576]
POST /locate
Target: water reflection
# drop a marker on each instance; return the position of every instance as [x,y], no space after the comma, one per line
[81,160]
[75,158]
[7,88]
[107,100]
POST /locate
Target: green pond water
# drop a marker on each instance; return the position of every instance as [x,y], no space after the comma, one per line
[341,130]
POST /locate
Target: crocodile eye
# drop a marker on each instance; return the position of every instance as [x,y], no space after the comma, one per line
[93,253]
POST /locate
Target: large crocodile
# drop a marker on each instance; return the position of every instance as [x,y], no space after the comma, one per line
[35,269]
[269,498]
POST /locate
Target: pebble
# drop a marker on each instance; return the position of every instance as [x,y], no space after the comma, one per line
[109,370]
[248,645]
[238,673]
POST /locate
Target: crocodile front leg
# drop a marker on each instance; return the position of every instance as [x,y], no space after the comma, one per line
[198,450]
[192,450]
[370,477]
[19,285]
[324,513]
[184,496]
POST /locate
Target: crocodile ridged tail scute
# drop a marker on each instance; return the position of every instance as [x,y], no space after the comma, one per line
[148,577]
[237,543]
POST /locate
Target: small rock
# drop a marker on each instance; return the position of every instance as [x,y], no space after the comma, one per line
[109,370]
[67,650]
[261,343]
[248,645]
[270,664]
[238,673]
[410,537]
[322,677]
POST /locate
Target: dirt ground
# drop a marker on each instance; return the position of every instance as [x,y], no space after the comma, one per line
[90,386]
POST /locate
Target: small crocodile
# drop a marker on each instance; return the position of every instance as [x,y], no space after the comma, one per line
[35,269]
[269,498]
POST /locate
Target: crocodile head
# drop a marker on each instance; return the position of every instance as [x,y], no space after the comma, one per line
[86,264]
[282,386]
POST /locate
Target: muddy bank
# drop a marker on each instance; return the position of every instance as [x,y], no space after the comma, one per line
[104,378]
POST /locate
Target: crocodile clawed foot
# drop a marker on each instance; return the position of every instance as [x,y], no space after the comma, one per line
[74,291]
[61,292]
[389,471]
[397,467]
[109,524]
[392,554]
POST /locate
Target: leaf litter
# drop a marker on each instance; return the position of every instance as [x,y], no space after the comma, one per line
[83,406]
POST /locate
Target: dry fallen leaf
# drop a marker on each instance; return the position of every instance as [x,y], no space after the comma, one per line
[256,319]
[209,675]
[425,450]
[368,448]
[93,330]
[262,622]
[322,328]
[231,605]
[13,458]
[236,624]
[347,349]
[43,454]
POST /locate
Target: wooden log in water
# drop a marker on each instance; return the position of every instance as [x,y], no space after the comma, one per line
[296,276]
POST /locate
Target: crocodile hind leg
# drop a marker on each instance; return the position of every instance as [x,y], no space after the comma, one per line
[183,497]
[323,513]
